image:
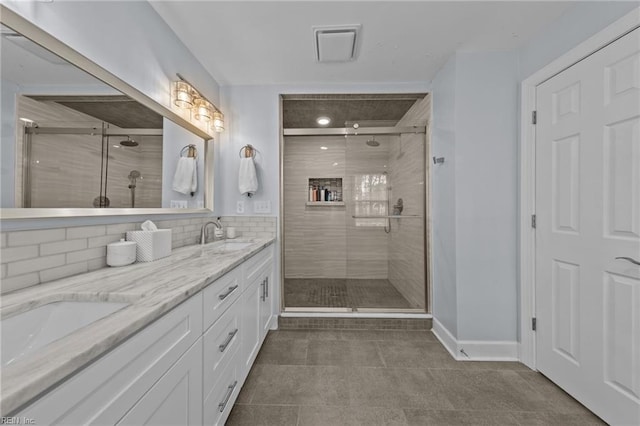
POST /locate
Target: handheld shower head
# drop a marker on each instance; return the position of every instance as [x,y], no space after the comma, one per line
[134,174]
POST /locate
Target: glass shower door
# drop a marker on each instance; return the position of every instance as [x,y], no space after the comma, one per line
[61,167]
[385,230]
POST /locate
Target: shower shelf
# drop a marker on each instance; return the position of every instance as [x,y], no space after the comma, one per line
[388,217]
[325,203]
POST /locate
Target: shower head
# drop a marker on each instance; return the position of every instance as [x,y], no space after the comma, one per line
[129,142]
[373,142]
[134,174]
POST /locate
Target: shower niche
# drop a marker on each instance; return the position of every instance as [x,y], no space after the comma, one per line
[325,192]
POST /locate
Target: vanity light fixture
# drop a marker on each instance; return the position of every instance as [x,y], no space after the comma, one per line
[323,121]
[182,94]
[202,110]
[218,121]
[185,96]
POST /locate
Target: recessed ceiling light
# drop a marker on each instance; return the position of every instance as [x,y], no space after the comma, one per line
[323,121]
[323,147]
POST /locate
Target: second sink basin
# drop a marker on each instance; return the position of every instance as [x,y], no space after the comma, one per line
[25,333]
[229,246]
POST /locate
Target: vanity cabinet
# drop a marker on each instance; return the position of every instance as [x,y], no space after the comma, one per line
[185,368]
[257,307]
[105,391]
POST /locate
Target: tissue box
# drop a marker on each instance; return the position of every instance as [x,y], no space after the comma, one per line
[152,245]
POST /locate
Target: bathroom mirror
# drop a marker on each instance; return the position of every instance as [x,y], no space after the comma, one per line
[78,141]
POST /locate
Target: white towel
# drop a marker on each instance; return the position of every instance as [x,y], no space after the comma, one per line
[247,178]
[185,181]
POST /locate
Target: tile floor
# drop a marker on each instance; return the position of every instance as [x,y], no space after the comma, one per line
[392,377]
[342,293]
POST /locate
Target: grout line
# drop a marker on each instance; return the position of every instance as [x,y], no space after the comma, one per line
[379,351]
[298,418]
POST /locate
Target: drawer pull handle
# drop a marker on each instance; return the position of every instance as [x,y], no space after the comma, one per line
[266,287]
[263,296]
[629,259]
[224,402]
[231,290]
[223,346]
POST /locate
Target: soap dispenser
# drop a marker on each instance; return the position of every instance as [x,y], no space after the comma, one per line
[219,231]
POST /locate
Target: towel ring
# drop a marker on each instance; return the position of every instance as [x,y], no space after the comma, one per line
[248,151]
[191,151]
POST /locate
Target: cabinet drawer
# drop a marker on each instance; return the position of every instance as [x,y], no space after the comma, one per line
[254,265]
[104,391]
[220,343]
[220,295]
[218,404]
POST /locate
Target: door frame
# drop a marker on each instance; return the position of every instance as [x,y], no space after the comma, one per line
[616,30]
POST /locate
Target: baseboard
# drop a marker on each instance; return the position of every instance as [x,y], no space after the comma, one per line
[475,350]
[446,338]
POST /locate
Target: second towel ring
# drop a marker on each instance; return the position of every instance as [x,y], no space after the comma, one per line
[248,151]
[191,151]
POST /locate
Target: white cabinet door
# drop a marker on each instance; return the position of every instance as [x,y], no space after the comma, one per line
[175,399]
[588,217]
[251,327]
[266,305]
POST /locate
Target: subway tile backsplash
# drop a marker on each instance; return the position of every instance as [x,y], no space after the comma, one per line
[33,257]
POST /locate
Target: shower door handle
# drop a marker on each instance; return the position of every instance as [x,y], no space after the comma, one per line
[629,259]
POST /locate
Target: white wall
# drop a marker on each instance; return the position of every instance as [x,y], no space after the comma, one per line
[576,25]
[443,203]
[8,146]
[128,39]
[475,124]
[486,195]
[174,138]
[252,117]
[474,196]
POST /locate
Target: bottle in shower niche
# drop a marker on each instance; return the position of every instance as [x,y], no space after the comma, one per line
[312,196]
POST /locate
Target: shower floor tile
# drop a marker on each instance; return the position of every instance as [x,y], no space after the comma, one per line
[342,293]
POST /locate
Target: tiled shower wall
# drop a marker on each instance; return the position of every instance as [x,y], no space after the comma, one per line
[37,256]
[406,243]
[324,241]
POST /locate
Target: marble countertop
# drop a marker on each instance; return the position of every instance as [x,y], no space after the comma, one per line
[152,289]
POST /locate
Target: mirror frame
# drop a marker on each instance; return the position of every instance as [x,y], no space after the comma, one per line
[34,33]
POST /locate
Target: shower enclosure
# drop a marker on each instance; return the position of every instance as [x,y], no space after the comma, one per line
[364,252]
[73,166]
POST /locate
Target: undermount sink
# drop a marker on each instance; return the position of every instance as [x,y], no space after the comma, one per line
[29,331]
[228,246]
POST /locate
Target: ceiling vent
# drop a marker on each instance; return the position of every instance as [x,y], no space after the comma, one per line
[336,43]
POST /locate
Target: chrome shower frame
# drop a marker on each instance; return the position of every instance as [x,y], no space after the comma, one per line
[350,131]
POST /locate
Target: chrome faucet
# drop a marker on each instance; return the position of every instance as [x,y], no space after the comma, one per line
[203,232]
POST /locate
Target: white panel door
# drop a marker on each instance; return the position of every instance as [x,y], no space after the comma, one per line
[588,217]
